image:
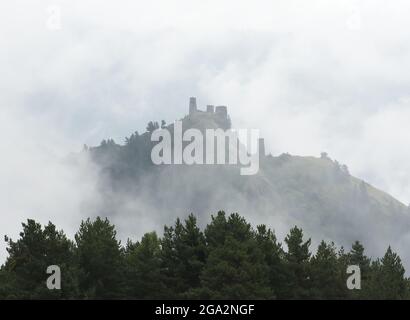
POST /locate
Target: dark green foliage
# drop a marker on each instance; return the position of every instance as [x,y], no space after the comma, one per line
[274,258]
[143,263]
[297,264]
[29,258]
[100,258]
[356,256]
[235,260]
[229,260]
[387,279]
[184,255]
[328,281]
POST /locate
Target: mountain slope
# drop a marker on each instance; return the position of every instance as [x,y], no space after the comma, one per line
[317,194]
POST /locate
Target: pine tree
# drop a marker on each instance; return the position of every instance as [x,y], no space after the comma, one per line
[297,266]
[184,255]
[387,280]
[143,265]
[30,256]
[273,255]
[101,260]
[236,267]
[327,277]
[357,257]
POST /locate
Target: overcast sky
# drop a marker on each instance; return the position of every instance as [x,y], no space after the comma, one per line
[312,75]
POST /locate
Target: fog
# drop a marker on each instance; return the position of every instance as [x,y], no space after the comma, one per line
[313,76]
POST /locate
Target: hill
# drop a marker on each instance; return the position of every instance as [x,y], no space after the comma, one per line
[315,193]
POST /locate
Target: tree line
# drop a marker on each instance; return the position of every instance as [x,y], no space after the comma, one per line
[229,259]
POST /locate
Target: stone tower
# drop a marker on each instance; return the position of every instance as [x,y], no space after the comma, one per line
[192,105]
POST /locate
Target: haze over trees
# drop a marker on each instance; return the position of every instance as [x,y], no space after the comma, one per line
[316,193]
[229,259]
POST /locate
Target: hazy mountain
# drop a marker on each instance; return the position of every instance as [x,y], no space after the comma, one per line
[317,194]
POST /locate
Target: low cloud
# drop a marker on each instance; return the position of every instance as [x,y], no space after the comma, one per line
[312,76]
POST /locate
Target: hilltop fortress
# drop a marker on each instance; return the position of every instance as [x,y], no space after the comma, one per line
[219,111]
[206,137]
[212,118]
